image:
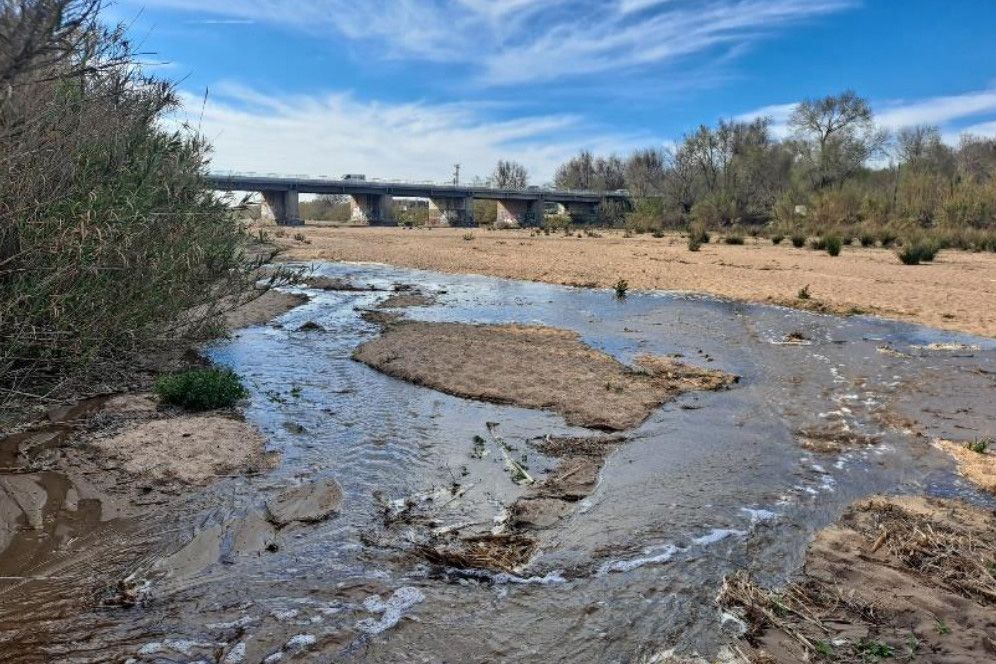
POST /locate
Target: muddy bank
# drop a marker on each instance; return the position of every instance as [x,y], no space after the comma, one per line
[900,577]
[262,309]
[193,449]
[534,367]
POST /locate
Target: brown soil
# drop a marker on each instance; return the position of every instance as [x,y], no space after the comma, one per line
[913,577]
[956,292]
[190,448]
[978,467]
[263,309]
[534,367]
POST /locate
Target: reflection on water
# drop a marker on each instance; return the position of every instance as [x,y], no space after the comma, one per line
[710,483]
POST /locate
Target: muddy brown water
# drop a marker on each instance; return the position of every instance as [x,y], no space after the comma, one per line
[711,483]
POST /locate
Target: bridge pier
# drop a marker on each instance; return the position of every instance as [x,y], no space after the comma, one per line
[451,211]
[373,209]
[516,213]
[580,213]
[281,207]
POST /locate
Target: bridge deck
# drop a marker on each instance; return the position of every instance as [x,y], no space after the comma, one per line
[233,182]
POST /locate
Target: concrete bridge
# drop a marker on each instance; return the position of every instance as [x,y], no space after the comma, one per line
[449,205]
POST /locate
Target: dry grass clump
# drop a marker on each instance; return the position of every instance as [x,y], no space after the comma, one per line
[498,553]
[908,577]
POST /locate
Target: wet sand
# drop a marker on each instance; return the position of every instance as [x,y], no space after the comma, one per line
[956,292]
[534,367]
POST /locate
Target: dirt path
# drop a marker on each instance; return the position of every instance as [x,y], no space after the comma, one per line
[957,292]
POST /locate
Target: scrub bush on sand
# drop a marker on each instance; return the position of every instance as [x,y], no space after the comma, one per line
[108,237]
[201,389]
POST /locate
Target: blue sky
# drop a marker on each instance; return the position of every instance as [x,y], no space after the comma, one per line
[407,88]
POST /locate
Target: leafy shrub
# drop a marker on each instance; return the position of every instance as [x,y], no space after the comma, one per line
[833,244]
[621,287]
[468,237]
[866,239]
[798,240]
[916,251]
[110,243]
[201,389]
[734,238]
[699,233]
[804,293]
[777,238]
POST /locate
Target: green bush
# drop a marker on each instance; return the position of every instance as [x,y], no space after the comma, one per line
[693,243]
[201,389]
[734,238]
[818,244]
[916,251]
[833,244]
[777,238]
[866,239]
[621,287]
[110,241]
[798,240]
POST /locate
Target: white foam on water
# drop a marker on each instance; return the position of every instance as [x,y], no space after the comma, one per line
[759,515]
[392,610]
[717,535]
[666,553]
[236,655]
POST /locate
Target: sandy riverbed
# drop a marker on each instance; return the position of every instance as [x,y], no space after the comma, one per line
[957,292]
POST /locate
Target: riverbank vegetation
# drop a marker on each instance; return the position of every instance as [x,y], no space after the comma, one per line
[108,237]
[835,174]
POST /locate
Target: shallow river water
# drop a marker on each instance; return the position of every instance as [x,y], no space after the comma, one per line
[710,483]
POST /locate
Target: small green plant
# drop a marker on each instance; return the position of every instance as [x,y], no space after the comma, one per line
[804,292]
[866,239]
[980,445]
[833,244]
[777,238]
[201,389]
[658,233]
[943,628]
[621,287]
[824,649]
[874,651]
[734,238]
[468,237]
[798,240]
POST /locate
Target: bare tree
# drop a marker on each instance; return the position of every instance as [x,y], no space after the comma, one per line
[591,173]
[835,136]
[510,175]
[646,171]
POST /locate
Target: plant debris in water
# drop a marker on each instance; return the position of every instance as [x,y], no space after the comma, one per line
[883,580]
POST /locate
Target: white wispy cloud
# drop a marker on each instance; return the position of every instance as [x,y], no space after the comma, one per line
[949,112]
[337,133]
[523,41]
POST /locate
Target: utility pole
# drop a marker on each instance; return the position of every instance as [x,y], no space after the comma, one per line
[456,174]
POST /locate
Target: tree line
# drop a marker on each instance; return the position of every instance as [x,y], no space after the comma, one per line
[835,168]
